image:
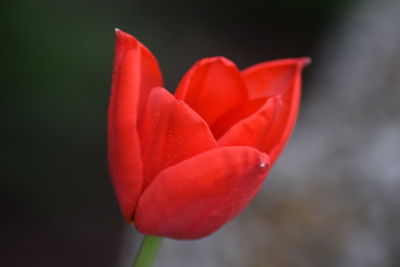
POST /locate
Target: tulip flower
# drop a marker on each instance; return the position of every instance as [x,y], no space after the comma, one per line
[183,165]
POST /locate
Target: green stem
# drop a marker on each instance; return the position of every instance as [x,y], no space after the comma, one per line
[148,251]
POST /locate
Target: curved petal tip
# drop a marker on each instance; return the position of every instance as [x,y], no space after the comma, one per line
[304,61]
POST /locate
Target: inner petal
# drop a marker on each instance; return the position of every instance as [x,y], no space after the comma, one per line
[212,87]
[219,127]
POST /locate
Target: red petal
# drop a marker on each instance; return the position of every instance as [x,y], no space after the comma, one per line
[197,196]
[171,132]
[253,130]
[135,73]
[280,77]
[212,87]
[234,116]
[273,77]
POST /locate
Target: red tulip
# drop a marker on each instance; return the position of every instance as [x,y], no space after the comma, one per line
[183,165]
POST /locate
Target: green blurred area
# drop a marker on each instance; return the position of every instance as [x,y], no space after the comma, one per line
[56,70]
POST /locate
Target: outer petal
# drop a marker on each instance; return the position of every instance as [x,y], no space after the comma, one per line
[253,130]
[212,87]
[197,196]
[280,77]
[135,73]
[171,132]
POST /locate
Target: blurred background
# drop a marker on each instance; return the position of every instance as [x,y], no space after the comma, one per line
[333,197]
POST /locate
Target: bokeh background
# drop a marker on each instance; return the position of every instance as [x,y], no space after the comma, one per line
[332,199]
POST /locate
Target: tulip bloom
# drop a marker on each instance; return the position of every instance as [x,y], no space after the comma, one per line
[183,165]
